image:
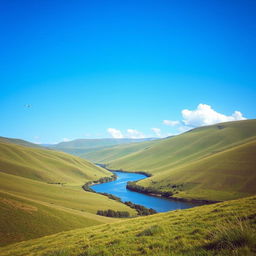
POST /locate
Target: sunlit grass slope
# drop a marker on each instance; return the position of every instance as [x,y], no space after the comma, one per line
[47,165]
[50,182]
[19,142]
[73,198]
[22,219]
[215,162]
[69,207]
[106,155]
[226,228]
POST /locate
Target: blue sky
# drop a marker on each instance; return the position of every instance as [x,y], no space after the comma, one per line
[87,66]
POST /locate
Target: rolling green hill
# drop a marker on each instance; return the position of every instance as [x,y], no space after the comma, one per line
[82,146]
[226,228]
[19,142]
[47,165]
[108,154]
[22,219]
[41,193]
[214,162]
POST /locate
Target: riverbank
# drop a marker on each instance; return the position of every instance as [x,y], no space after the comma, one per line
[141,210]
[87,185]
[156,193]
[168,195]
[118,189]
[120,170]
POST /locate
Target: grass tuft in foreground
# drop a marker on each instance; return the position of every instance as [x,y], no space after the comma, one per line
[231,235]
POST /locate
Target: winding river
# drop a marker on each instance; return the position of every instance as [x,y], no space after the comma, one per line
[118,188]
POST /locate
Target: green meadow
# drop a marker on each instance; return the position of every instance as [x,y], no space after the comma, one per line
[41,193]
[226,228]
[47,165]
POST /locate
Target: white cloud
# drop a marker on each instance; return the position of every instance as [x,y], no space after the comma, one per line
[134,134]
[205,115]
[171,123]
[115,133]
[157,131]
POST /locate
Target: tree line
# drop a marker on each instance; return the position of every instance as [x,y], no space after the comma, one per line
[142,211]
[113,214]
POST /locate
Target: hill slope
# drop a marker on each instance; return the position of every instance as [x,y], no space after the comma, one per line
[47,165]
[83,146]
[108,154]
[19,142]
[226,228]
[41,193]
[22,219]
[199,163]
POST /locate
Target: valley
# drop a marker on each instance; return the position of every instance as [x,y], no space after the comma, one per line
[41,195]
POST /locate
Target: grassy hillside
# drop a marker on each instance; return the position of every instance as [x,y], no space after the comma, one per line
[22,219]
[41,193]
[83,146]
[19,142]
[73,198]
[226,228]
[106,155]
[215,162]
[47,165]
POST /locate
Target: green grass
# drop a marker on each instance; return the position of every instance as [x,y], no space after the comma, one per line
[215,162]
[64,201]
[47,165]
[19,142]
[226,228]
[106,155]
[28,176]
[83,146]
[22,219]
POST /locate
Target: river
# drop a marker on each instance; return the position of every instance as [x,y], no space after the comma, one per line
[118,188]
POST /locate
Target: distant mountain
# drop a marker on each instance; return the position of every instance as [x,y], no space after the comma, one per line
[81,146]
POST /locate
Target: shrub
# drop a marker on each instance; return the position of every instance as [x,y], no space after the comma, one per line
[153,230]
[113,214]
[110,196]
[59,253]
[142,211]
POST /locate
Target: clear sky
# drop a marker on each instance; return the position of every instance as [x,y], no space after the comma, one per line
[94,69]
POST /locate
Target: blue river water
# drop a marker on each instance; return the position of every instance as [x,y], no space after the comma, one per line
[118,188]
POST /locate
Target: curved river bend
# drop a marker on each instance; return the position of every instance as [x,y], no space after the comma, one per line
[118,188]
